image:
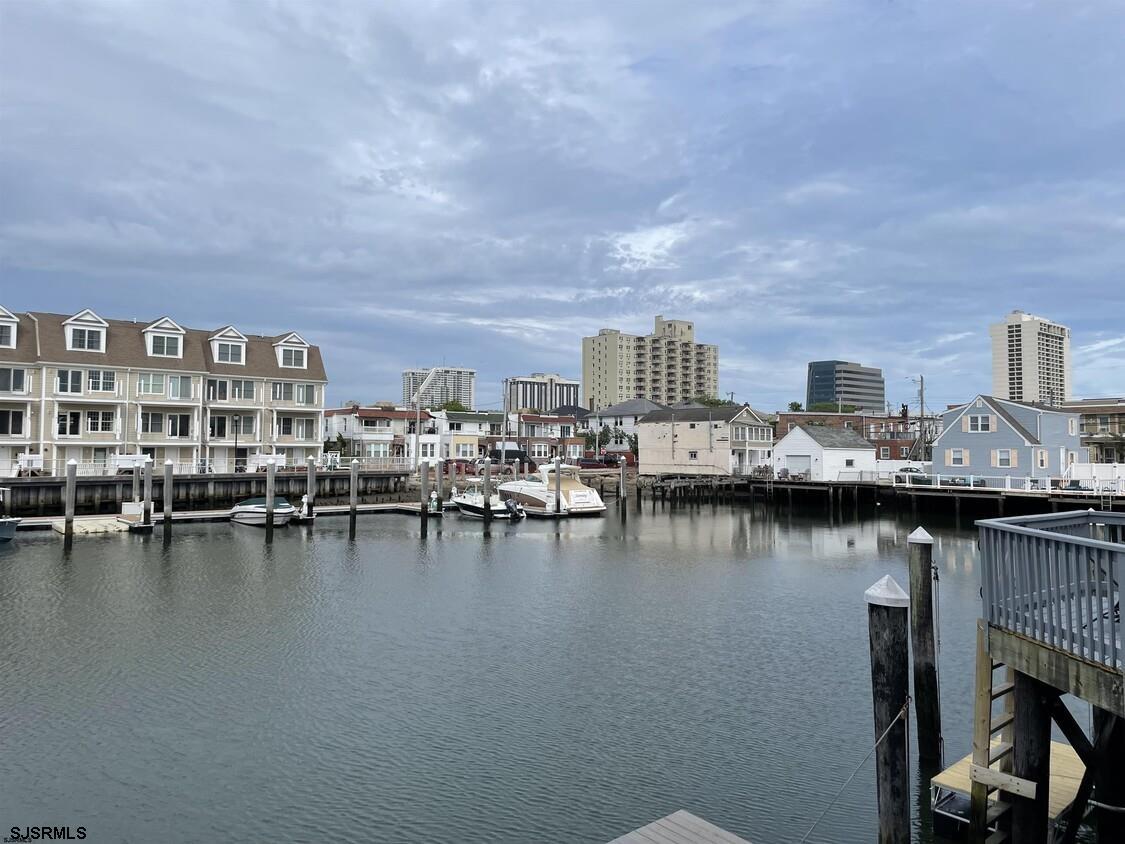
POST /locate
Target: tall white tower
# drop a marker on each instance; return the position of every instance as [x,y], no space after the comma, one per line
[1030,359]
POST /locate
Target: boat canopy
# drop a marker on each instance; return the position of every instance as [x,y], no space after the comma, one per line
[278,501]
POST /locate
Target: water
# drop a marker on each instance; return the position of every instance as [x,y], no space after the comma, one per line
[547,683]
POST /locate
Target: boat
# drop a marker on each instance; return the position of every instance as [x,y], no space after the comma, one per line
[8,525]
[470,502]
[252,511]
[536,493]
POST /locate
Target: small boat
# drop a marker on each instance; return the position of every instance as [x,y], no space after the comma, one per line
[8,527]
[536,493]
[471,503]
[252,511]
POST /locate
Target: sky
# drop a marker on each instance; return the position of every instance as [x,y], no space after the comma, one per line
[482,184]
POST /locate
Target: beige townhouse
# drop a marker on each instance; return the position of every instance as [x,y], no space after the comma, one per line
[100,391]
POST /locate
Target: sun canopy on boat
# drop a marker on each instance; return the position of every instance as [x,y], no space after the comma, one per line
[261,502]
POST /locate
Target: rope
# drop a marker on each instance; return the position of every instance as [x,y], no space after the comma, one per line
[901,714]
[1106,806]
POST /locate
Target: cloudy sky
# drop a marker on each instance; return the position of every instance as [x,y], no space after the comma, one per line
[484,183]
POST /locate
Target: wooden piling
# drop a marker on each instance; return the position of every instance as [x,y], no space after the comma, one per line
[439,480]
[137,481]
[424,496]
[147,511]
[1031,757]
[927,702]
[1109,781]
[486,492]
[887,619]
[558,486]
[167,493]
[271,482]
[310,486]
[71,488]
[353,497]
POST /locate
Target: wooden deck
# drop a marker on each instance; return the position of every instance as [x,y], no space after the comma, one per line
[680,827]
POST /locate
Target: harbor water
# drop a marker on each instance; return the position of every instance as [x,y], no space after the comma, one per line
[544,682]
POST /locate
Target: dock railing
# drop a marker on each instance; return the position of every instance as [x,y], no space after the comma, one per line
[1055,578]
[1044,484]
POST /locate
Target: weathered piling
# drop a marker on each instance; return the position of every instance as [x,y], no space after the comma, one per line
[558,486]
[1031,757]
[424,496]
[271,485]
[137,481]
[147,511]
[166,493]
[887,619]
[486,491]
[310,492]
[438,477]
[71,486]
[927,701]
[1109,781]
[353,497]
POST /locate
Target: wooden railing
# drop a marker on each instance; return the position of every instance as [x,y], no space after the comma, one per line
[1055,578]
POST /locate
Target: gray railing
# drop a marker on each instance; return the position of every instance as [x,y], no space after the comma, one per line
[1055,578]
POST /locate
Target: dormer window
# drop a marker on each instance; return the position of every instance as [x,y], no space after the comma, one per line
[229,353]
[292,351]
[293,358]
[7,336]
[228,345]
[165,339]
[165,346]
[86,340]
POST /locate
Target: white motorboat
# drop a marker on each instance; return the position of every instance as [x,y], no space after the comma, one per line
[470,502]
[8,527]
[252,511]
[536,493]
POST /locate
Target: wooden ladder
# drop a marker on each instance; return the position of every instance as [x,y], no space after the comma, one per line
[992,746]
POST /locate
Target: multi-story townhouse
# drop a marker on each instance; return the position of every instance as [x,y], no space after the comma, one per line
[207,400]
[381,431]
[1102,427]
[545,437]
[466,435]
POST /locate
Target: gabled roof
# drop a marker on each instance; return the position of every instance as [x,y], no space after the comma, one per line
[167,325]
[7,316]
[723,413]
[291,339]
[228,332]
[632,407]
[86,317]
[997,406]
[575,410]
[827,437]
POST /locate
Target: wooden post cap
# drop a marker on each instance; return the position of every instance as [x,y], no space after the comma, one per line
[920,537]
[886,593]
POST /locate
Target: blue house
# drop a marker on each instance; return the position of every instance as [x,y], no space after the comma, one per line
[998,437]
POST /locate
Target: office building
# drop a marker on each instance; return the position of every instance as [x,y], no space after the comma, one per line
[666,366]
[841,382]
[541,391]
[1030,359]
[450,383]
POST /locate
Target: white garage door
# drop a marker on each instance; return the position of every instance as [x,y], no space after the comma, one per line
[798,463]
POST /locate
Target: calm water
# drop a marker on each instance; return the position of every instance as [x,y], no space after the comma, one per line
[546,683]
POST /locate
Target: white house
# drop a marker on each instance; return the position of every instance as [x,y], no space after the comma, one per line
[820,453]
[703,440]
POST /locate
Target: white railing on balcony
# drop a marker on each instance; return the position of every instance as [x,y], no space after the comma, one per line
[1056,578]
[1054,485]
[120,464]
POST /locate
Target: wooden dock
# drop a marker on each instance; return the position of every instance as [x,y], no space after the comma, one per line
[680,827]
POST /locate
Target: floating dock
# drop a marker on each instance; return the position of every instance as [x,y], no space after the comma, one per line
[680,827]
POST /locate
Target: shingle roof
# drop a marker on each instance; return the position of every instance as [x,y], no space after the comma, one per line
[724,413]
[632,407]
[836,437]
[471,416]
[575,410]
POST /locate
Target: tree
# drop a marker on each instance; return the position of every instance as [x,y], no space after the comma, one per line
[707,401]
[454,406]
[795,407]
[831,407]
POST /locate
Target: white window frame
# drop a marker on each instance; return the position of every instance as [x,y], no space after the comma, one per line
[1072,426]
[980,423]
[1042,458]
[214,422]
[12,328]
[466,450]
[100,417]
[12,370]
[884,452]
[178,417]
[293,351]
[69,417]
[179,381]
[693,455]
[903,451]
[540,450]
[72,332]
[304,429]
[9,413]
[1003,458]
[70,381]
[957,457]
[151,377]
[278,391]
[221,385]
[241,389]
[229,345]
[100,380]
[305,394]
[164,338]
[145,425]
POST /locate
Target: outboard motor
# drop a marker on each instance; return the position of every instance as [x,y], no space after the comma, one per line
[513,508]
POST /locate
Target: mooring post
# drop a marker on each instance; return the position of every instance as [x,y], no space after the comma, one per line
[1109,781]
[486,492]
[440,480]
[353,497]
[136,481]
[887,620]
[310,487]
[558,486]
[271,480]
[424,495]
[1031,757]
[71,492]
[148,492]
[927,701]
[167,493]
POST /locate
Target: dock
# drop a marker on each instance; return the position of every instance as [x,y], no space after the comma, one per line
[680,827]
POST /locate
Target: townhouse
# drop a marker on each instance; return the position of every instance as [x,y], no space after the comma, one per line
[732,439]
[381,431]
[91,389]
[1101,427]
[546,436]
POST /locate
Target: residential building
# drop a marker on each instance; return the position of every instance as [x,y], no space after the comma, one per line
[621,419]
[541,392]
[467,435]
[377,431]
[993,436]
[576,410]
[732,439]
[820,453]
[1030,359]
[1101,427]
[894,437]
[843,383]
[545,437]
[665,366]
[91,389]
[448,384]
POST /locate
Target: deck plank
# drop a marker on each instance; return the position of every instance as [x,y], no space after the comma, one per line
[681,827]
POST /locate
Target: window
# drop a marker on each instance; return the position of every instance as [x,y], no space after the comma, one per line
[466,450]
[426,450]
[152,423]
[179,425]
[101,380]
[957,457]
[243,425]
[7,337]
[693,455]
[165,346]
[306,394]
[303,429]
[1042,458]
[86,339]
[847,424]
[70,381]
[11,380]
[849,463]
[70,424]
[99,421]
[216,389]
[1072,426]
[540,450]
[285,426]
[904,451]
[454,426]
[884,452]
[1004,458]
[564,431]
[179,386]
[378,450]
[691,425]
[980,424]
[217,427]
[293,358]
[11,423]
[242,390]
[371,424]
[229,353]
[574,450]
[150,383]
[282,391]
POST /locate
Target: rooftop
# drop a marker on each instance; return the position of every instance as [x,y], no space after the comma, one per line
[836,437]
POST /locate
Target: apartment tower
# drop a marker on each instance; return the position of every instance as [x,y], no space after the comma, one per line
[449,383]
[1030,359]
[840,382]
[541,391]
[666,366]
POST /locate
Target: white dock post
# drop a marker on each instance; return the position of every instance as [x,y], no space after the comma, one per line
[558,486]
[71,491]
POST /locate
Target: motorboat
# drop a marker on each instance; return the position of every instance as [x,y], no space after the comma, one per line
[8,524]
[536,493]
[470,502]
[252,511]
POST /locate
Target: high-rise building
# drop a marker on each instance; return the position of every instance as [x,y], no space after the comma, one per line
[840,382]
[666,366]
[541,391]
[450,383]
[1030,359]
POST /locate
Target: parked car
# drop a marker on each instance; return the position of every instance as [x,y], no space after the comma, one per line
[914,472]
[590,463]
[462,465]
[962,481]
[511,457]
